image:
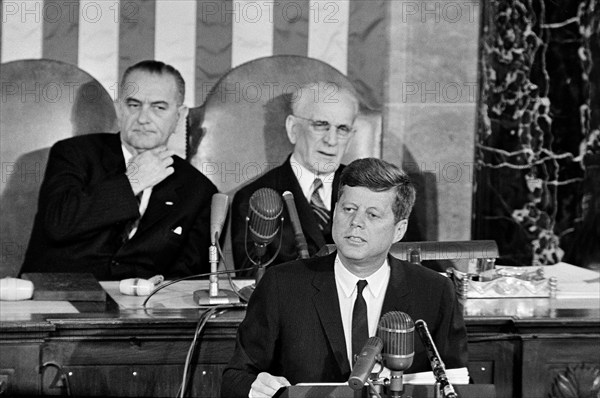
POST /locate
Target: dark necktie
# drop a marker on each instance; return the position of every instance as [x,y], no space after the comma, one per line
[360,324]
[318,207]
[133,223]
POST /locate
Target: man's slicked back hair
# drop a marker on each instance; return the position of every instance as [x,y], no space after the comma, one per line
[157,68]
[379,175]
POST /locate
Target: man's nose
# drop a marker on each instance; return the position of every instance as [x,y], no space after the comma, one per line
[142,116]
[330,136]
[358,220]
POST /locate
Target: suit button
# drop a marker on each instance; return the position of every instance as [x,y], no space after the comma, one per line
[115,263]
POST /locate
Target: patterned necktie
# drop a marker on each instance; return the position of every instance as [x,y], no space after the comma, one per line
[360,324]
[318,207]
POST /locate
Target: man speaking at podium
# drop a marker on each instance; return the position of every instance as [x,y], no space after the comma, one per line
[306,320]
[123,205]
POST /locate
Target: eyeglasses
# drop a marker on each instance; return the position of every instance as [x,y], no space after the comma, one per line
[343,131]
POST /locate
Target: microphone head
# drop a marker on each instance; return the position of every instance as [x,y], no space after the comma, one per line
[218,214]
[365,363]
[397,331]
[265,208]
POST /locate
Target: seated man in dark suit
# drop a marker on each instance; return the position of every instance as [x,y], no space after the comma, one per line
[123,205]
[320,128]
[299,325]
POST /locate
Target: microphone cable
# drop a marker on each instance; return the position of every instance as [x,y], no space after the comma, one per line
[206,315]
[169,283]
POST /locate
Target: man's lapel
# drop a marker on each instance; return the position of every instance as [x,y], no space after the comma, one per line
[163,200]
[334,192]
[327,305]
[397,290]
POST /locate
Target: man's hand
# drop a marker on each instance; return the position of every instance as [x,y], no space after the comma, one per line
[148,168]
[266,385]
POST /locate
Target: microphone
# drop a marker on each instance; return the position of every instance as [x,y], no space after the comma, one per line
[263,222]
[265,208]
[438,367]
[365,362]
[263,217]
[218,213]
[139,286]
[396,330]
[13,289]
[301,244]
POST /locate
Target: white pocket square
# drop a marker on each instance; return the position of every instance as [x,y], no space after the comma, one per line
[177,230]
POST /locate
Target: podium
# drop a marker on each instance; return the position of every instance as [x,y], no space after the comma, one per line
[330,390]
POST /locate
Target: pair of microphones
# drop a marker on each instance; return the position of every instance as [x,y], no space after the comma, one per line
[263,223]
[394,344]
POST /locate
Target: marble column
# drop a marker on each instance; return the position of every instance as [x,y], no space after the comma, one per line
[430,110]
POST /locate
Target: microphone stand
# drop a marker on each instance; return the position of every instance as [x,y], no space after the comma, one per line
[214,296]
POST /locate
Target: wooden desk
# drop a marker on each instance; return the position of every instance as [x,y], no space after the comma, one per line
[520,345]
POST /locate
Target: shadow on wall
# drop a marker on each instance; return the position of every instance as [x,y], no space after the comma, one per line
[423,221]
[276,111]
[43,101]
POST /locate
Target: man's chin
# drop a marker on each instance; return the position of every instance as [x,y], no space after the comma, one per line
[327,165]
[351,252]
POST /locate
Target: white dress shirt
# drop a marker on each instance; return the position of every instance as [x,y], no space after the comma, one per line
[306,178]
[373,294]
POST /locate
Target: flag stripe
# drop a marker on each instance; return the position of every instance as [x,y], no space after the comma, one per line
[213,44]
[252,31]
[175,40]
[22,30]
[137,31]
[291,27]
[98,42]
[367,49]
[204,39]
[329,19]
[61,31]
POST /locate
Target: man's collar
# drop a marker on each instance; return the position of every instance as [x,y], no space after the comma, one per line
[376,282]
[306,177]
[126,154]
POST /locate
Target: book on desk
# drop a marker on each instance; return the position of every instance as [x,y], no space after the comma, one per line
[51,286]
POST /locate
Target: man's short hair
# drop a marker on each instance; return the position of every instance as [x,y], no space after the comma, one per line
[158,68]
[319,92]
[379,175]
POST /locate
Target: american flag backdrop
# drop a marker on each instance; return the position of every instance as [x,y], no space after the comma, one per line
[203,39]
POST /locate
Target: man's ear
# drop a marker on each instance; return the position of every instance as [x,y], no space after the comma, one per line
[289,128]
[181,125]
[400,229]
[118,109]
[182,111]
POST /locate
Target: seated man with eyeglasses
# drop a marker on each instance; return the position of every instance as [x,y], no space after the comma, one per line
[320,128]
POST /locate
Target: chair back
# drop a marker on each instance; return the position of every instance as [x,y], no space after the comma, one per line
[43,101]
[239,131]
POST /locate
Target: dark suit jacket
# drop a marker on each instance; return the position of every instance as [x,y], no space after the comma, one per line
[281,179]
[86,201]
[293,327]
